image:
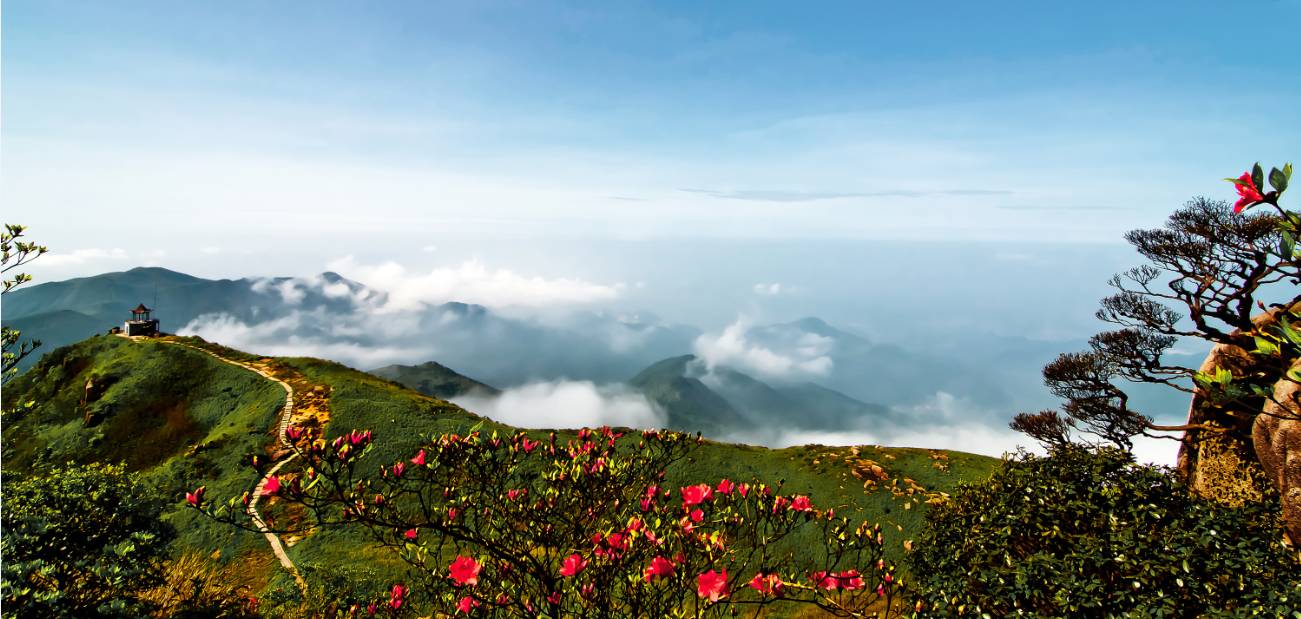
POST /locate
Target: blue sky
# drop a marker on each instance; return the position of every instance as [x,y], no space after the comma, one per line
[400,122]
[873,163]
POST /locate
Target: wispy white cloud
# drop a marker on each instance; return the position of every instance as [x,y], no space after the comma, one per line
[733,348]
[287,336]
[769,290]
[90,255]
[566,404]
[474,282]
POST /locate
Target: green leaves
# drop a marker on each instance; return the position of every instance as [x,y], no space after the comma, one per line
[1128,540]
[1278,179]
[1257,175]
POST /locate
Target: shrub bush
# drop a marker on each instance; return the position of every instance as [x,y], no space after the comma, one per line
[80,541]
[512,526]
[1087,532]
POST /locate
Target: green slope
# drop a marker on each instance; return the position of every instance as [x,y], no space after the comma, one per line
[177,415]
[184,418]
[691,405]
[434,379]
[728,400]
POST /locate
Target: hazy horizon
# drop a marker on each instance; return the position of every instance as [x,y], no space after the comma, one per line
[895,172]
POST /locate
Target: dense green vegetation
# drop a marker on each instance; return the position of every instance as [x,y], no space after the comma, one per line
[1088,532]
[81,541]
[182,418]
[170,413]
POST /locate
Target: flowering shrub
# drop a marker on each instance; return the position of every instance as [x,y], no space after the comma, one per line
[513,526]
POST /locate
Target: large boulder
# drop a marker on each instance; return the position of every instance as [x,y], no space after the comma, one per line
[1256,455]
[1277,435]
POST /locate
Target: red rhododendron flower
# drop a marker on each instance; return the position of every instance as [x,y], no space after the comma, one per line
[466,605]
[465,570]
[419,460]
[554,598]
[659,568]
[196,497]
[397,596]
[271,486]
[850,580]
[511,495]
[712,585]
[697,494]
[824,580]
[399,469]
[573,564]
[744,489]
[801,503]
[725,487]
[767,584]
[1248,192]
[411,534]
[697,515]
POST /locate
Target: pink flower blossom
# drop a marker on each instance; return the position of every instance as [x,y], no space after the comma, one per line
[466,605]
[801,503]
[572,565]
[850,580]
[824,580]
[725,486]
[465,570]
[767,584]
[659,568]
[397,596]
[271,486]
[695,495]
[411,534]
[712,585]
[1248,193]
[554,598]
[419,460]
[399,469]
[196,497]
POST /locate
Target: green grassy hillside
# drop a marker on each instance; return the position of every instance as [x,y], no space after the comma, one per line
[184,418]
[434,379]
[691,406]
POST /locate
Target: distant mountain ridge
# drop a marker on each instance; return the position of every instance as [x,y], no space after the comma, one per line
[720,399]
[330,316]
[434,379]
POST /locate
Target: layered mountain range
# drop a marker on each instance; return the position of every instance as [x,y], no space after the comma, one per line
[804,373]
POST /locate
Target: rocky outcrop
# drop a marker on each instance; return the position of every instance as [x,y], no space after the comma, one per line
[1277,437]
[1256,455]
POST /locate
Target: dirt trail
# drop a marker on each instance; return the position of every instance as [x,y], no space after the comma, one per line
[312,409]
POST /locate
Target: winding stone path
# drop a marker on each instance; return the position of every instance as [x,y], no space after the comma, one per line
[277,548]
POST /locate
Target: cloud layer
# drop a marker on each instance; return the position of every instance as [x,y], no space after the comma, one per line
[566,404]
[732,347]
[473,282]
